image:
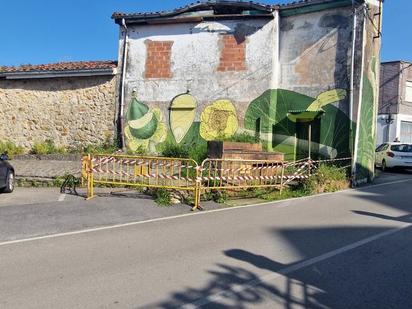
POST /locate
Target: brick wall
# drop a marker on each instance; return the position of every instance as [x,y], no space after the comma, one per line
[158,61]
[406,75]
[233,54]
[389,88]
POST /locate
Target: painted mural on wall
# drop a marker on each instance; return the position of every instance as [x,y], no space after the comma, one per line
[219,121]
[278,117]
[182,115]
[145,128]
[281,114]
[367,110]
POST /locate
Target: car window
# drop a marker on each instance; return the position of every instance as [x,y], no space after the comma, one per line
[380,148]
[402,148]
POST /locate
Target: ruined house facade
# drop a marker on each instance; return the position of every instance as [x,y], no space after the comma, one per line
[291,75]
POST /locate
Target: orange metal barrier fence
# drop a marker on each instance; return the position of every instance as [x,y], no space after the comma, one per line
[186,174]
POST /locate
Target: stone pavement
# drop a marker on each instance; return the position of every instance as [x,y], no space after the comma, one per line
[45,168]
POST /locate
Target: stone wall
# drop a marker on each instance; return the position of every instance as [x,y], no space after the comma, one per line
[71,111]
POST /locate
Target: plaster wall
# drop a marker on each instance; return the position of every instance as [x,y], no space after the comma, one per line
[195,61]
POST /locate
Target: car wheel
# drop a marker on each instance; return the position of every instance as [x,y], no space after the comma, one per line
[384,167]
[9,183]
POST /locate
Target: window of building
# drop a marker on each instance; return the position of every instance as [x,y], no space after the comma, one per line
[406,132]
[408,92]
[158,60]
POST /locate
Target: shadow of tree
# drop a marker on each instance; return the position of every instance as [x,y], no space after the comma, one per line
[325,276]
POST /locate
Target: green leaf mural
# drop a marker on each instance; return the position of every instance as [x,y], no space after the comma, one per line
[277,130]
[366,140]
[142,122]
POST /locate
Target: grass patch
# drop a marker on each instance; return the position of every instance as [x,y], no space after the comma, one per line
[108,146]
[162,197]
[328,178]
[243,138]
[10,149]
[47,147]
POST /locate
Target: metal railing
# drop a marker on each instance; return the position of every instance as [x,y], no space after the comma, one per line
[141,171]
[186,174]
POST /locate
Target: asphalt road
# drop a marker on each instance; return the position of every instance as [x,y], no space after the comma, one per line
[346,250]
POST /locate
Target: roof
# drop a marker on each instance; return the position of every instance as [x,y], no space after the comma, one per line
[223,9]
[78,68]
[210,8]
[396,61]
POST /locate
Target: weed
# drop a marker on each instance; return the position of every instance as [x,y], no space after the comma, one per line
[108,146]
[46,147]
[10,149]
[172,150]
[162,197]
[243,138]
[198,153]
[328,178]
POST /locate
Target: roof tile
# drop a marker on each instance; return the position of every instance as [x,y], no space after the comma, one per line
[60,66]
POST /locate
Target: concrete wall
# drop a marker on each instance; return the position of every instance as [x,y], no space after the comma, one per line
[69,111]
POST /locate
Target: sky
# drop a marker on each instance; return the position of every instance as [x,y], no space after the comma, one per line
[46,31]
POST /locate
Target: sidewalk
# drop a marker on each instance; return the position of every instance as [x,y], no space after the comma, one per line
[47,169]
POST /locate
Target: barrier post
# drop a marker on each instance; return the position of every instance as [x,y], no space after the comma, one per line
[281,178]
[197,189]
[90,182]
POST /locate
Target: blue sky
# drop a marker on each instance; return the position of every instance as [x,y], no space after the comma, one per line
[44,31]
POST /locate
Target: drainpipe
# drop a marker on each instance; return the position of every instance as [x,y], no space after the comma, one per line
[124,64]
[352,78]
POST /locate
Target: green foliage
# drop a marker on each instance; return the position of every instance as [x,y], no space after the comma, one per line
[328,178]
[244,138]
[162,197]
[198,153]
[10,149]
[220,197]
[172,150]
[108,146]
[46,147]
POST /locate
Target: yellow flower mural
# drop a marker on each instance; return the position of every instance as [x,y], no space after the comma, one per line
[219,121]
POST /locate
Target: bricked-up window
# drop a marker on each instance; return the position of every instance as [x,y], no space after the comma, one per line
[158,60]
[233,54]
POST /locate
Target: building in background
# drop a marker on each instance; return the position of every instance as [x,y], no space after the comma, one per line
[302,77]
[395,103]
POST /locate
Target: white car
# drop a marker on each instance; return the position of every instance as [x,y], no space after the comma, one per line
[393,155]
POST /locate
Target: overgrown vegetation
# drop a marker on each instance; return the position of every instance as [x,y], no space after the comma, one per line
[243,138]
[108,146]
[197,153]
[162,197]
[172,150]
[10,149]
[328,178]
[47,147]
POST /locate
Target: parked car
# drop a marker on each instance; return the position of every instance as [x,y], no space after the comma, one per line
[394,155]
[6,175]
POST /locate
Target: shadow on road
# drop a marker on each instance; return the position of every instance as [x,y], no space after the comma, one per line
[358,278]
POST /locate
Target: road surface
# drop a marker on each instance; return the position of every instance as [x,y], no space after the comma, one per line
[346,250]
